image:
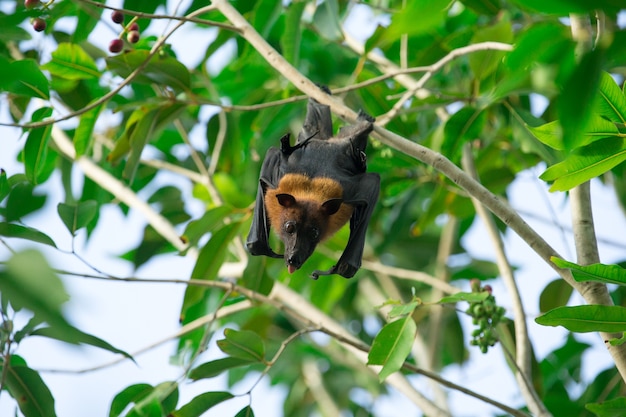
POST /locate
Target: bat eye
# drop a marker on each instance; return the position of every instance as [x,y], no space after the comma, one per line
[290,227]
[315,233]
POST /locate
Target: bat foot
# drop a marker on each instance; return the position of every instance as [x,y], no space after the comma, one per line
[345,270]
[324,88]
[364,116]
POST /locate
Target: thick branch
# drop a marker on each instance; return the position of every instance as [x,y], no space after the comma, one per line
[582,217]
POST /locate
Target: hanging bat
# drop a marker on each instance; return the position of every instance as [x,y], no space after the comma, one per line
[308,191]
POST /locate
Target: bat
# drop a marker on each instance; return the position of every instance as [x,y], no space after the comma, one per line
[308,191]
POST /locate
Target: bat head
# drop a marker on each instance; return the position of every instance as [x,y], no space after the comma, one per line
[301,225]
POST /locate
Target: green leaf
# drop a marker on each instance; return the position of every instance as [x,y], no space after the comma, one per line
[431,14]
[228,187]
[148,407]
[586,163]
[610,101]
[556,294]
[540,43]
[87,19]
[326,20]
[470,297]
[24,232]
[30,392]
[29,282]
[131,394]
[71,62]
[200,404]
[162,69]
[392,345]
[210,259]
[484,63]
[245,412]
[36,148]
[210,221]
[156,402]
[84,132]
[551,133]
[611,408]
[214,368]
[5,187]
[484,7]
[577,98]
[79,337]
[609,274]
[404,309]
[78,215]
[243,344]
[559,7]
[23,78]
[141,127]
[464,125]
[255,276]
[21,200]
[122,145]
[586,318]
[292,35]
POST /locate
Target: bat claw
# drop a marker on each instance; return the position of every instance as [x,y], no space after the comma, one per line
[364,116]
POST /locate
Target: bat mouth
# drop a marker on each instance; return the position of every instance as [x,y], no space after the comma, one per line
[292,268]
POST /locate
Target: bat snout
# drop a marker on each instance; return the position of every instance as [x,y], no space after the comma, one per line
[294,262]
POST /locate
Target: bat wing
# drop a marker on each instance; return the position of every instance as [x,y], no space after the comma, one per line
[271,173]
[362,193]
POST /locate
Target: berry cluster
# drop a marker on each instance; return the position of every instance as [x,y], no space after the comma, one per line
[486,315]
[131,31]
[38,23]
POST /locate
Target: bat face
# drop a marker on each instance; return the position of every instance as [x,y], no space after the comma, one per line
[302,223]
[300,234]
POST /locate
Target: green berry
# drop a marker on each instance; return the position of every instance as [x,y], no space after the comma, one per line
[478,311]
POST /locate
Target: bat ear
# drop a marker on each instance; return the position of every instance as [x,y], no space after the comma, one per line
[331,206]
[286,200]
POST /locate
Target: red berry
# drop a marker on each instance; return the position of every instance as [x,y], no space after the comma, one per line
[488,288]
[117,16]
[116,45]
[133,26]
[39,24]
[31,4]
[133,36]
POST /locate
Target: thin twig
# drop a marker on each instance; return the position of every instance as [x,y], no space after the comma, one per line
[408,274]
[280,351]
[455,53]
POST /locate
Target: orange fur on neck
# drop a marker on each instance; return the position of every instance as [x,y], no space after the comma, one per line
[312,190]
